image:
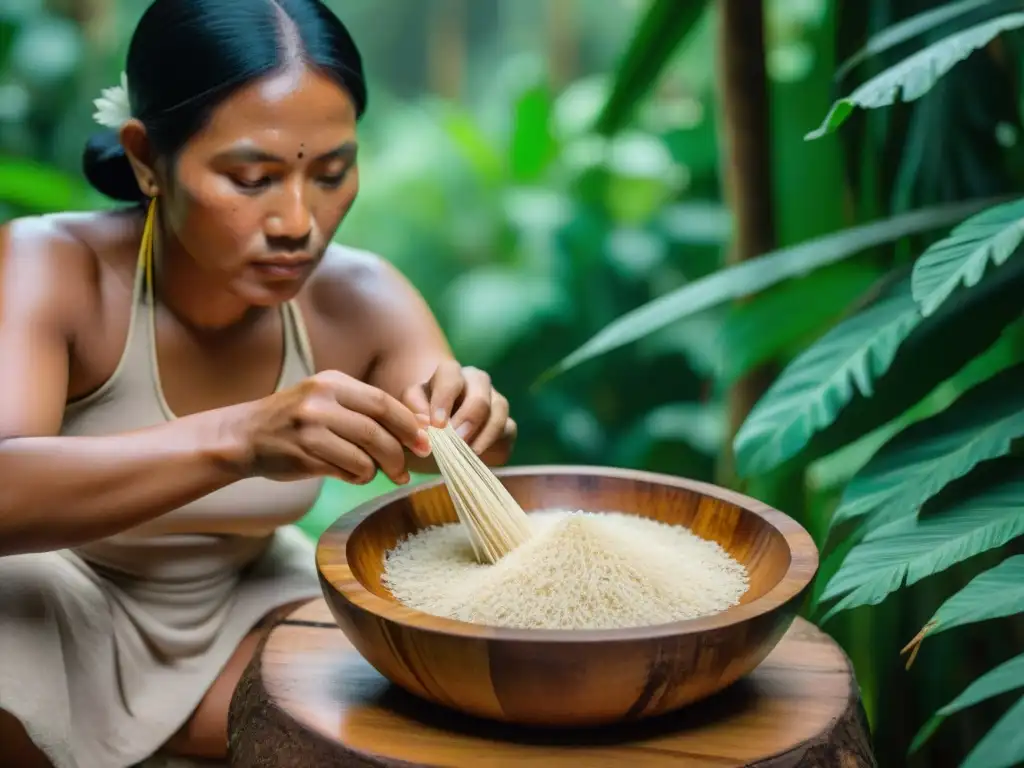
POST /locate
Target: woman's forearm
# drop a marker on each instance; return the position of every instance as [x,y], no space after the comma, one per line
[60,492]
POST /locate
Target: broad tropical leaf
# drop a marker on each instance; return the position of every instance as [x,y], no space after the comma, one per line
[657,37]
[872,367]
[994,594]
[1003,746]
[756,275]
[924,546]
[829,565]
[985,241]
[913,77]
[908,29]
[924,458]
[771,324]
[812,390]
[1008,676]
[837,469]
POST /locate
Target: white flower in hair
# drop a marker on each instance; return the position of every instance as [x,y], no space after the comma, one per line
[113,108]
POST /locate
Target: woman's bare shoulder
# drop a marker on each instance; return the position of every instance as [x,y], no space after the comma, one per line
[45,270]
[349,305]
[352,285]
[72,245]
[58,261]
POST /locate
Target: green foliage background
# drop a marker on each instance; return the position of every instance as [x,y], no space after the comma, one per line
[555,193]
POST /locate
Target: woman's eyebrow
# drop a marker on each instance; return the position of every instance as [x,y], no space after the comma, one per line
[254,155]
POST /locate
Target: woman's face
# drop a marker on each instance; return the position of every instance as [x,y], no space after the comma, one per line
[258,193]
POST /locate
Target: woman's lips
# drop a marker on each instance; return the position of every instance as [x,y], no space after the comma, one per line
[283,269]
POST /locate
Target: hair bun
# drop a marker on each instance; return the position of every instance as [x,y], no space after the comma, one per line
[106,166]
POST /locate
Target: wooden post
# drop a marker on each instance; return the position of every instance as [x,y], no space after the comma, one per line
[562,43]
[745,147]
[447,48]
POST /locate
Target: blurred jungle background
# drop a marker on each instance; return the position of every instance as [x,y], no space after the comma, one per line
[616,208]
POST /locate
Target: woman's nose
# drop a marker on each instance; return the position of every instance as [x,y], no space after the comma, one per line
[290,216]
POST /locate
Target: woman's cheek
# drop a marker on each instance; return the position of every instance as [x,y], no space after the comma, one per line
[224,234]
[346,197]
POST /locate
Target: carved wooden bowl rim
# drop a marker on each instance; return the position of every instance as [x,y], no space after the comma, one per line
[803,564]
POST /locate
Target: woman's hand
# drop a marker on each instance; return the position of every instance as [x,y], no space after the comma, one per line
[327,425]
[477,411]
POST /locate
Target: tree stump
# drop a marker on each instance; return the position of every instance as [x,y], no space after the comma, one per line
[309,700]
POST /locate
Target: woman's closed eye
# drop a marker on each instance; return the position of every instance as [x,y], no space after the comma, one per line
[333,180]
[251,184]
[334,174]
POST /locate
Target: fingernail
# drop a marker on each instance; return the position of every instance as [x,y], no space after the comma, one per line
[403,478]
[422,447]
[440,417]
[423,419]
[463,429]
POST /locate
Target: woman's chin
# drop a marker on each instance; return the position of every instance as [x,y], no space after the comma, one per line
[269,294]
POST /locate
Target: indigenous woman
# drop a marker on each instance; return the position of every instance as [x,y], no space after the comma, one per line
[179,375]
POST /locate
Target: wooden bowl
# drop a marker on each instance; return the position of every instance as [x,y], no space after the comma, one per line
[563,677]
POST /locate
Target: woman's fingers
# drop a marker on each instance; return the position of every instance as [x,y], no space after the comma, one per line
[446,385]
[474,410]
[382,408]
[379,444]
[494,428]
[418,401]
[348,461]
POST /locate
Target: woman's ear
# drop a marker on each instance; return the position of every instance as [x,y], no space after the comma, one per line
[140,154]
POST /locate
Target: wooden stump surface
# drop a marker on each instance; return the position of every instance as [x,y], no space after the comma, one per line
[310,700]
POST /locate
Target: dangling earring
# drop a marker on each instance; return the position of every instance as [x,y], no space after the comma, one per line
[146,246]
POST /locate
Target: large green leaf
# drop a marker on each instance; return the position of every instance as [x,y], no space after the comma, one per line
[872,367]
[922,459]
[914,76]
[984,241]
[1008,676]
[994,594]
[781,319]
[756,275]
[921,546]
[908,29]
[533,143]
[657,37]
[837,469]
[1003,746]
[38,188]
[812,390]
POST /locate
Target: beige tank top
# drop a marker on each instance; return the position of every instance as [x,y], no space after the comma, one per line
[234,521]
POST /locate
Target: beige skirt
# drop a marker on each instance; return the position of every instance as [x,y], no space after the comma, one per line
[105,652]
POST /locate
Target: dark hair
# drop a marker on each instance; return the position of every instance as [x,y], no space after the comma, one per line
[187,56]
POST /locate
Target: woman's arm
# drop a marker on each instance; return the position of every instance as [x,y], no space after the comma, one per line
[414,363]
[62,491]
